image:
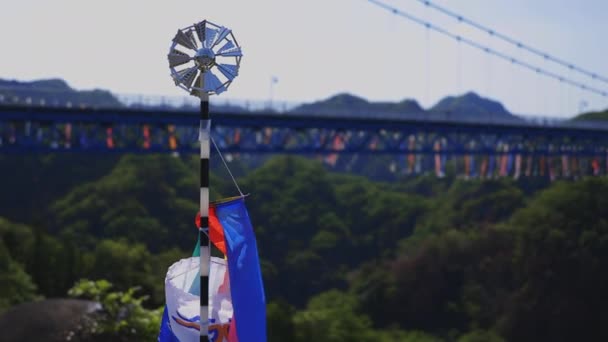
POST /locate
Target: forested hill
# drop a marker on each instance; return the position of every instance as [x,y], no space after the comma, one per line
[343,258]
[54,92]
[466,106]
[471,104]
[593,116]
[347,103]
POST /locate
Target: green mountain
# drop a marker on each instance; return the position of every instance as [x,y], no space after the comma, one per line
[54,92]
[592,116]
[347,104]
[473,105]
[469,106]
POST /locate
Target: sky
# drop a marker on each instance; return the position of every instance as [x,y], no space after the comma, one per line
[316,48]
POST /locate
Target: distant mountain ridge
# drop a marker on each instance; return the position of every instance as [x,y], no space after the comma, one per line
[54,92]
[469,106]
[53,84]
[347,103]
[592,116]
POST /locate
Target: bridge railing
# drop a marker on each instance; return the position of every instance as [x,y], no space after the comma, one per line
[424,143]
[549,122]
[192,103]
[219,104]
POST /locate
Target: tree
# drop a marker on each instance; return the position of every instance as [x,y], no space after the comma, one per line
[150,200]
[471,204]
[332,317]
[122,316]
[16,286]
[560,263]
[481,336]
[279,318]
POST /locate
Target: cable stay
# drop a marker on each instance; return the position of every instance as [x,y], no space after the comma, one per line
[512,41]
[491,51]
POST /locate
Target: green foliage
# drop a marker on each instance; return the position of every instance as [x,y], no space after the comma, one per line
[137,267]
[471,204]
[481,336]
[376,216]
[405,336]
[560,262]
[426,185]
[310,244]
[279,319]
[335,316]
[137,200]
[43,257]
[452,280]
[30,183]
[332,317]
[286,226]
[592,116]
[18,239]
[134,261]
[16,286]
[343,258]
[122,317]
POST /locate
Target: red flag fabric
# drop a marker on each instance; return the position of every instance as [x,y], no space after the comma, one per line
[216,232]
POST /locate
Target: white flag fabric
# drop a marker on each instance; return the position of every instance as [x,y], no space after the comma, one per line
[183,308]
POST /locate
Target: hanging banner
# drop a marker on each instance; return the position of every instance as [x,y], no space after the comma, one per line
[181,321]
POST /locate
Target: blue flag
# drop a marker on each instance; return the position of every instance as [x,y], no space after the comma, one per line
[247,288]
[166,333]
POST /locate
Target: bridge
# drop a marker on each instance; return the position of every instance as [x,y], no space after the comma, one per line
[419,141]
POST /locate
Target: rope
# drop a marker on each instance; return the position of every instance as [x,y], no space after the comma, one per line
[227,168]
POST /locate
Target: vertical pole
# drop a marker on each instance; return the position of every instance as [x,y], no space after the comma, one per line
[204,137]
[271,93]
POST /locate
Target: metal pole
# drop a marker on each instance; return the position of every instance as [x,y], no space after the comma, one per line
[204,138]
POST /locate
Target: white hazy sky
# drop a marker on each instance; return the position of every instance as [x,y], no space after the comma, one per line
[316,48]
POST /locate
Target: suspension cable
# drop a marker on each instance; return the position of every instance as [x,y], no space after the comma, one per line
[489,50]
[515,42]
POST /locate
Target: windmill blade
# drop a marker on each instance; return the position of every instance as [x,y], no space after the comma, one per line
[197,87]
[223,33]
[200,31]
[231,53]
[228,46]
[177,57]
[220,89]
[229,70]
[190,35]
[186,76]
[182,39]
[189,77]
[175,77]
[210,35]
[211,82]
